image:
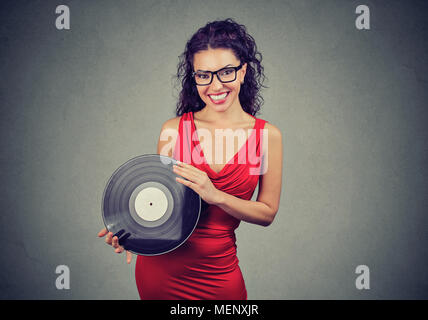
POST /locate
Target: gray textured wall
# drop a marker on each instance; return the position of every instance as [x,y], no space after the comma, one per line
[352,107]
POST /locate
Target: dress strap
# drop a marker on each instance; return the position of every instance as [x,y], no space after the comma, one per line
[182,148]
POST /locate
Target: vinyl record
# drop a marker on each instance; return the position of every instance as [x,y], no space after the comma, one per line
[149,211]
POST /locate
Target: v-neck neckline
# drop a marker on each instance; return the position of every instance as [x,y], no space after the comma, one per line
[234,156]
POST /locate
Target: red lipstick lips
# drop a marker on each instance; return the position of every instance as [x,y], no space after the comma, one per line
[219,101]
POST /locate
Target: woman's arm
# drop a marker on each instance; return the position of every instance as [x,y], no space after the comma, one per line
[263,210]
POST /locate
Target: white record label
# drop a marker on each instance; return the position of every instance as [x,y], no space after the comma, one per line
[151,204]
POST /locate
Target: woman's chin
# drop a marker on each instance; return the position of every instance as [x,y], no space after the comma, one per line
[219,107]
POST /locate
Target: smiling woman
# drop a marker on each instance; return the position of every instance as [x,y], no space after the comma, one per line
[221,75]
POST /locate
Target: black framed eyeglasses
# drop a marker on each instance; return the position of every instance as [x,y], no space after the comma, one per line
[224,75]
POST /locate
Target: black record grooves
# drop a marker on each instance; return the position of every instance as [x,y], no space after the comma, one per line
[149,211]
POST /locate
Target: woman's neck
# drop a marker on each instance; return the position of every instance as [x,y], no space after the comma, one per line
[223,118]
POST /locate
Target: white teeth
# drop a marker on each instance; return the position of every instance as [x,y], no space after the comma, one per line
[219,97]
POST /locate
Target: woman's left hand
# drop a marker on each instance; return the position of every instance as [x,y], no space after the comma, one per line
[198,181]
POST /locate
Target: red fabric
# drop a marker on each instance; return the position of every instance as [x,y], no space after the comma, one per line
[205,266]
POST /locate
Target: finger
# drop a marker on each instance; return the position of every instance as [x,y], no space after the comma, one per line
[186,173]
[119,249]
[189,167]
[179,171]
[187,183]
[115,242]
[194,172]
[185,166]
[108,237]
[128,257]
[103,232]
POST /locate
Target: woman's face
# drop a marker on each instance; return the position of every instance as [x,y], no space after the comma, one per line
[213,60]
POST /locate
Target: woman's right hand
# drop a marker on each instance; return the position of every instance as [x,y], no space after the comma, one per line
[114,242]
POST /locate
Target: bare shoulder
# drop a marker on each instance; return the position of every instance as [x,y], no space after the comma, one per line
[168,136]
[273,132]
[172,123]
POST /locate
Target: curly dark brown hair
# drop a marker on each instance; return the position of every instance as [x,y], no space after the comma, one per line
[225,34]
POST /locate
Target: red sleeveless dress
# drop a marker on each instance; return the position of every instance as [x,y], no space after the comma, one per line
[205,267]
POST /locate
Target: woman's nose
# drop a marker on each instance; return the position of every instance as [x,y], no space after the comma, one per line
[216,84]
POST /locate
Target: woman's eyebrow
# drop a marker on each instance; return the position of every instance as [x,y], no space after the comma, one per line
[229,65]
